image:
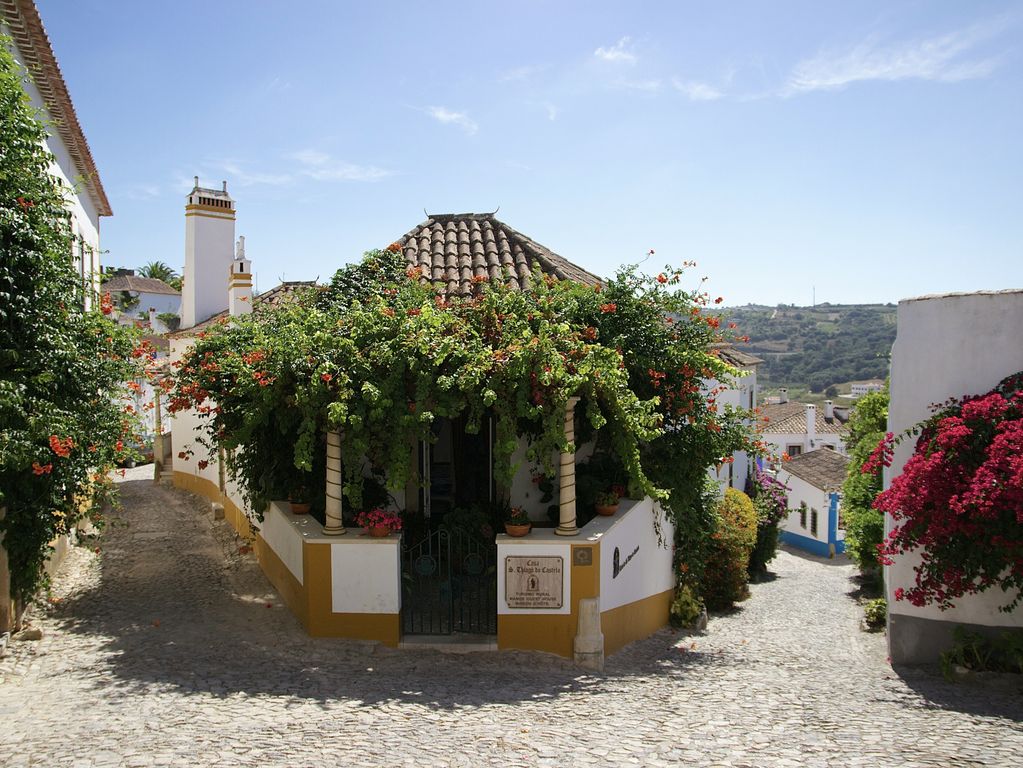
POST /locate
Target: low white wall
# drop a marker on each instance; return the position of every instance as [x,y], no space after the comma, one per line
[815,498]
[644,566]
[949,346]
[365,573]
[281,535]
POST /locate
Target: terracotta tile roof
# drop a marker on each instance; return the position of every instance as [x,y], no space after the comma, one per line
[453,248]
[268,299]
[822,468]
[735,357]
[139,285]
[29,35]
[790,418]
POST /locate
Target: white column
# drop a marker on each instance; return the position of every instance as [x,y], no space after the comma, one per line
[566,477]
[334,526]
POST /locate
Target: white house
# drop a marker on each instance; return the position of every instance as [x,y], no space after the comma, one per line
[143,298]
[742,393]
[797,428]
[861,388]
[814,522]
[72,161]
[947,346]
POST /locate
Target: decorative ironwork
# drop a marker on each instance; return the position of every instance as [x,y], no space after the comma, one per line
[449,584]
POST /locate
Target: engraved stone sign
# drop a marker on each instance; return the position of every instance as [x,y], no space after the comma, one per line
[534,581]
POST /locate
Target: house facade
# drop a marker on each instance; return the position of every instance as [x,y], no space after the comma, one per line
[792,429]
[814,522]
[740,393]
[142,299]
[72,160]
[576,591]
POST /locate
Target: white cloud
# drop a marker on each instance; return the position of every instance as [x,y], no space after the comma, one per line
[696,91]
[322,167]
[617,52]
[446,116]
[247,178]
[939,59]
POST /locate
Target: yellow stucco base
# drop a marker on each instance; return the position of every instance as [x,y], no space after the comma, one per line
[309,600]
[634,621]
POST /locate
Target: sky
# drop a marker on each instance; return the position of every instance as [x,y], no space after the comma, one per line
[797,151]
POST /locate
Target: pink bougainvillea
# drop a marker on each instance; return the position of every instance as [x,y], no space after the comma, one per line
[959,499]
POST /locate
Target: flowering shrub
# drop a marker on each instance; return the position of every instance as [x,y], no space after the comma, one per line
[770,500]
[379,518]
[725,577]
[959,499]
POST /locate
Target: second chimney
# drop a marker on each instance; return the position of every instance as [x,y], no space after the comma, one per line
[811,426]
[829,410]
[783,395]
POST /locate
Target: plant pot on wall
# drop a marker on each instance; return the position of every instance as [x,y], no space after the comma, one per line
[378,531]
[607,510]
[517,530]
[299,507]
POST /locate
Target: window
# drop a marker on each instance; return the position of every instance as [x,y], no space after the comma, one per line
[802,515]
[793,450]
[813,522]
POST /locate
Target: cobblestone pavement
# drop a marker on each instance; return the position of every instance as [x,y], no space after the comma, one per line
[169,649]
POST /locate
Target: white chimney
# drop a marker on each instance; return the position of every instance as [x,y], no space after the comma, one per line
[239,282]
[811,425]
[783,395]
[209,247]
[829,410]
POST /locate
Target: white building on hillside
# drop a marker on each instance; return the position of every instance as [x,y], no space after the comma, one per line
[72,161]
[797,428]
[861,388]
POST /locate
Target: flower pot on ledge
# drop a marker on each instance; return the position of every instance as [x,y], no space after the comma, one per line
[516,531]
[299,507]
[378,531]
[606,510]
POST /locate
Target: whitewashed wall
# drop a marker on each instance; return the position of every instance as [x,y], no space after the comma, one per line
[801,491]
[644,559]
[946,346]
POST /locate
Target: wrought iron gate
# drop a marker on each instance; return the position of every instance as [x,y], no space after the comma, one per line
[449,584]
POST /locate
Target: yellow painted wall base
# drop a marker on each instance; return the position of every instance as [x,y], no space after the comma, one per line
[309,600]
[634,621]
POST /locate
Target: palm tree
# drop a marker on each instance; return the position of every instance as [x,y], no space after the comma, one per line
[161,271]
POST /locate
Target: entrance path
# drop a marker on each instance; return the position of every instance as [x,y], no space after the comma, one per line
[169,649]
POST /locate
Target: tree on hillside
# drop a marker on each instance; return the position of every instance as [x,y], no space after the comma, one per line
[161,271]
[864,525]
[62,423]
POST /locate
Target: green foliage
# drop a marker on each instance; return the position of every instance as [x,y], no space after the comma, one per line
[770,500]
[159,271]
[686,607]
[724,582]
[820,346]
[864,525]
[875,614]
[983,653]
[61,368]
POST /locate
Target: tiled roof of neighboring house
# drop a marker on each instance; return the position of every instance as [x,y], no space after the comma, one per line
[790,418]
[822,468]
[139,285]
[736,358]
[26,28]
[272,298]
[451,249]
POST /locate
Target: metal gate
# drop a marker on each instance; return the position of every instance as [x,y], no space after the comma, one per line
[449,584]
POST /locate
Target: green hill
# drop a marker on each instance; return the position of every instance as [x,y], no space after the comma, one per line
[817,347]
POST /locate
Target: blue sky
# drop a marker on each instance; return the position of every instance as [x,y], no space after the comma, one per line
[869,151]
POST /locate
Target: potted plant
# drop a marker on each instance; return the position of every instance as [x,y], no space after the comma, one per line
[379,522]
[298,499]
[517,522]
[607,501]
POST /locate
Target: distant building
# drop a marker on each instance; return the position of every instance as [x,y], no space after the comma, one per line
[742,393]
[815,522]
[143,298]
[72,161]
[797,428]
[861,388]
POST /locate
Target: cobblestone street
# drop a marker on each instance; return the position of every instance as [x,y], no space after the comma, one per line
[168,648]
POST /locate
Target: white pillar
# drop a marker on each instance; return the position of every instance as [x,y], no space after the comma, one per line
[566,477]
[334,526]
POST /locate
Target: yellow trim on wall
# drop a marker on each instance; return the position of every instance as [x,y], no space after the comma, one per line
[634,621]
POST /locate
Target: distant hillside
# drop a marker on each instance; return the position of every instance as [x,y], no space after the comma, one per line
[817,347]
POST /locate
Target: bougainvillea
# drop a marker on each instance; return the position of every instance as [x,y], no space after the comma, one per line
[959,499]
[62,419]
[771,501]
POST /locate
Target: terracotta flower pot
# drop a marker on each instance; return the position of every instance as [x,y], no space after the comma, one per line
[517,530]
[299,507]
[607,509]
[378,531]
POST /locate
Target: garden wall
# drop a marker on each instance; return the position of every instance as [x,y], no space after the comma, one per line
[946,346]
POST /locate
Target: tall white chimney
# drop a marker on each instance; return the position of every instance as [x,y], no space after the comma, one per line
[239,282]
[209,248]
[783,395]
[829,410]
[811,426]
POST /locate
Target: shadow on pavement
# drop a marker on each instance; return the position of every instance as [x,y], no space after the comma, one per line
[980,699]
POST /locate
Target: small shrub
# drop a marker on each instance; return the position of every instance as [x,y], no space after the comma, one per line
[725,579]
[980,653]
[875,614]
[686,607]
[770,500]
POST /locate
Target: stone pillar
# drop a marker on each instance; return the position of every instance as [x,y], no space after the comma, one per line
[334,526]
[589,640]
[566,477]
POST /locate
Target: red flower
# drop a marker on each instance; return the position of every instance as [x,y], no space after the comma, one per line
[41,469]
[661,278]
[608,308]
[106,304]
[203,464]
[394,247]
[61,447]
[325,378]
[719,299]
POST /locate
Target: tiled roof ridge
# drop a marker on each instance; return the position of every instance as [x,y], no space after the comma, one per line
[140,284]
[22,18]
